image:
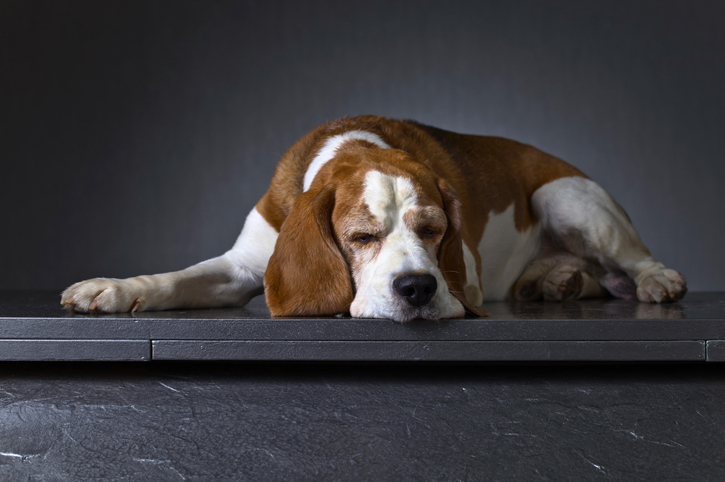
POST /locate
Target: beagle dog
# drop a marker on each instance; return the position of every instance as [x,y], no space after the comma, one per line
[384,218]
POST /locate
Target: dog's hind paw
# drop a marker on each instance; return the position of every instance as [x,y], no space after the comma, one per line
[563,283]
[661,286]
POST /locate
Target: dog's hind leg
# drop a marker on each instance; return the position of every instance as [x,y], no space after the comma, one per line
[228,280]
[558,277]
[582,218]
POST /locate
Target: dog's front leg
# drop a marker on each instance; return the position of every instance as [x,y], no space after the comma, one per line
[229,280]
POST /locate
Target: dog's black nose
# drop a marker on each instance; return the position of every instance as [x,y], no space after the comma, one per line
[417,289]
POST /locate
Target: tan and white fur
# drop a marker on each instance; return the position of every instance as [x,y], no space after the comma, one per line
[393,219]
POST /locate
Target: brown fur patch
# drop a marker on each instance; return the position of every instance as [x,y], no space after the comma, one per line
[450,254]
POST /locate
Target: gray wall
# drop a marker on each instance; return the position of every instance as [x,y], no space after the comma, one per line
[135,136]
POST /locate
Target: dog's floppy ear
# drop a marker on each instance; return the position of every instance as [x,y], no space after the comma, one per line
[307,274]
[450,252]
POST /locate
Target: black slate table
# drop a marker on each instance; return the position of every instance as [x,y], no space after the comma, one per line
[33,327]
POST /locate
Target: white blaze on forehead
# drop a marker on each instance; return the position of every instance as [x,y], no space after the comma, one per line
[329,149]
[388,197]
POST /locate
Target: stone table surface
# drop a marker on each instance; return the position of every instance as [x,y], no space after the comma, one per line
[33,327]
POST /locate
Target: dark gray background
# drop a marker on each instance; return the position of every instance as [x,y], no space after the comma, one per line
[136,136]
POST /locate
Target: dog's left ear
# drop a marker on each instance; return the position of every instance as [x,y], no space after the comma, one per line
[450,252]
[307,274]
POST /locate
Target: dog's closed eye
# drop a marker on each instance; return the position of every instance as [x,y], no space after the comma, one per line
[428,233]
[365,238]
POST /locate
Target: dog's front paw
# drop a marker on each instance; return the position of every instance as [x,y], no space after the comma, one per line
[105,295]
[664,285]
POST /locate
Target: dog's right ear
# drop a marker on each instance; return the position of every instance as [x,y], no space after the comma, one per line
[450,252]
[307,274]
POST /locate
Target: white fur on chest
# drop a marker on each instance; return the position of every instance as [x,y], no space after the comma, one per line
[505,253]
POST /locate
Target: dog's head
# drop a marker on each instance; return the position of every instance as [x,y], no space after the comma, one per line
[377,235]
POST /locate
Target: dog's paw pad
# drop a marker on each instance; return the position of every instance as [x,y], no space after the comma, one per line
[563,283]
[620,285]
[663,286]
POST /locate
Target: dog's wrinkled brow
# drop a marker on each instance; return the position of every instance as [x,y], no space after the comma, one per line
[431,217]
